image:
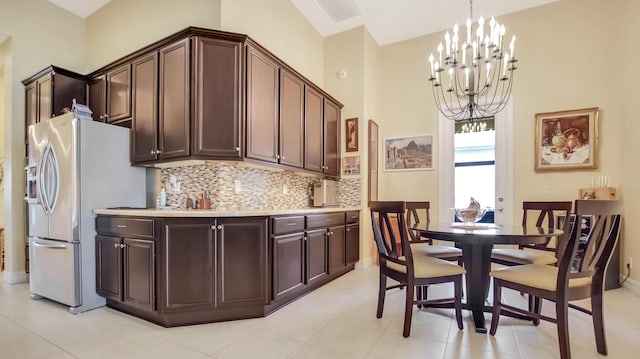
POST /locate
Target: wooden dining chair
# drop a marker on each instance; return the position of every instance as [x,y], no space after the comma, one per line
[423,245]
[409,270]
[566,282]
[538,253]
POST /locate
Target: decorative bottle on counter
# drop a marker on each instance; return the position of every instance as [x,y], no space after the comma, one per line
[163,197]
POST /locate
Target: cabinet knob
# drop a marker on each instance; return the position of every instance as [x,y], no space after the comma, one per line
[153,152]
[282,157]
[122,246]
[116,245]
[158,152]
[219,226]
[348,229]
[237,149]
[213,226]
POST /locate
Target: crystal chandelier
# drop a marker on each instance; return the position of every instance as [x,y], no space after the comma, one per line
[472,78]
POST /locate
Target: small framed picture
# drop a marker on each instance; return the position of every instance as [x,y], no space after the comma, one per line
[566,140]
[351,165]
[408,153]
[351,136]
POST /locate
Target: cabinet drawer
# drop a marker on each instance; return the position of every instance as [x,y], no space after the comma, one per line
[287,224]
[353,217]
[125,226]
[325,220]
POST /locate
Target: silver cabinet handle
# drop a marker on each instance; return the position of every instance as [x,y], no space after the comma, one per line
[116,245]
[219,226]
[237,149]
[122,246]
[153,152]
[158,152]
[121,226]
[348,229]
[213,227]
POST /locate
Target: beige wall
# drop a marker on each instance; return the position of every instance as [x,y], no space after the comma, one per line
[124,26]
[628,73]
[2,119]
[50,36]
[278,26]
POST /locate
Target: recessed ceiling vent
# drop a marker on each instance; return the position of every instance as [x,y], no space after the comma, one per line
[340,10]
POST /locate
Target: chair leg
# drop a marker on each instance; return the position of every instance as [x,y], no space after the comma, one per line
[495,314]
[537,308]
[457,288]
[408,309]
[419,296]
[562,317]
[381,294]
[598,320]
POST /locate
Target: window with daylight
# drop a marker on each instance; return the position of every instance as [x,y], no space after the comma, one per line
[475,162]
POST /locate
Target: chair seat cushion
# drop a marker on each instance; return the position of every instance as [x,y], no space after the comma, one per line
[537,276]
[427,267]
[426,249]
[523,256]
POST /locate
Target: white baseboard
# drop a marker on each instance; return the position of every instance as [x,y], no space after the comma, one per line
[14,277]
[364,264]
[632,285]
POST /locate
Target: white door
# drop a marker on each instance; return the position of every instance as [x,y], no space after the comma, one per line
[503,167]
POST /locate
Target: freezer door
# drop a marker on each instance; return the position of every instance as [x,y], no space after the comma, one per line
[54,270]
[38,218]
[61,179]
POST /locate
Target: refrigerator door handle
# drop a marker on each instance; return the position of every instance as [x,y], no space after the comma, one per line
[42,188]
[53,180]
[53,246]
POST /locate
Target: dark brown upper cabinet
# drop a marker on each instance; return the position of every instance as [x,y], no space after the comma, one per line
[97,93]
[313,156]
[331,138]
[49,92]
[275,111]
[262,106]
[118,83]
[218,98]
[161,108]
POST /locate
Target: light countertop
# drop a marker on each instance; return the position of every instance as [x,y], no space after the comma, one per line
[220,212]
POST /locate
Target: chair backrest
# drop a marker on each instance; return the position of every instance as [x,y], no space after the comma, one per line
[547,212]
[382,223]
[414,209]
[604,217]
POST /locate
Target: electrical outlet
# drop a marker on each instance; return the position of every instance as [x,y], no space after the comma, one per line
[629,262]
[547,190]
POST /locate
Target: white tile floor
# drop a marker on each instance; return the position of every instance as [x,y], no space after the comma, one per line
[336,321]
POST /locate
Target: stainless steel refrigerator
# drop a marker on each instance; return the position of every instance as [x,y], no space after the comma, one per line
[75,165]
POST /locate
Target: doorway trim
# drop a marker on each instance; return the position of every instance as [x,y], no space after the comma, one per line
[504,166]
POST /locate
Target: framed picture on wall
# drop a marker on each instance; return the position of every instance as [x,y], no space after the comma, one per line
[351,136]
[566,140]
[408,153]
[351,165]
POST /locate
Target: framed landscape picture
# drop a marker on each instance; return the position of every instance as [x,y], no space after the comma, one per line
[566,140]
[408,153]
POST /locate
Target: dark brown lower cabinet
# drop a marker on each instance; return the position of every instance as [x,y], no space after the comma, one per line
[352,244]
[201,270]
[335,236]
[126,271]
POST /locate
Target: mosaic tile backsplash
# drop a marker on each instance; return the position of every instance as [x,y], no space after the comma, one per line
[240,187]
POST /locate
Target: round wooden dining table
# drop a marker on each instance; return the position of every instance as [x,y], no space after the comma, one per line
[476,241]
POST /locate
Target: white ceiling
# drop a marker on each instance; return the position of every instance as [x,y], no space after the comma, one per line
[388,21]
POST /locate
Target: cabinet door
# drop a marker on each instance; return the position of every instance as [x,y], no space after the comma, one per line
[44,97]
[218,98]
[288,263]
[331,138]
[145,116]
[139,282]
[313,130]
[109,267]
[97,88]
[336,248]
[31,108]
[187,271]
[175,109]
[241,267]
[291,120]
[119,94]
[352,244]
[262,106]
[316,255]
